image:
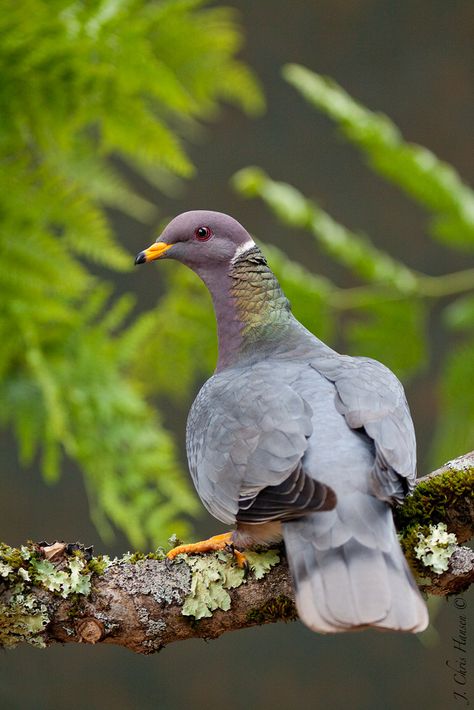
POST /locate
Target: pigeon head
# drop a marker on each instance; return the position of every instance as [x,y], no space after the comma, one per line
[252,312]
[201,239]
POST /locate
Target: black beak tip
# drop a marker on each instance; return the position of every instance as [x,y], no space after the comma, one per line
[140,258]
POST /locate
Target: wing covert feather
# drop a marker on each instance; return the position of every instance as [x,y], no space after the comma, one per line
[370,397]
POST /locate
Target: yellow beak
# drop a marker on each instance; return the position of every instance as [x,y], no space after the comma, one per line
[155,251]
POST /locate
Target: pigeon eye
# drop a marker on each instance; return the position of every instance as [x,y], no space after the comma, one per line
[203,234]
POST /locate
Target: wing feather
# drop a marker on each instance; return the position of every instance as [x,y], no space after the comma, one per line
[248,430]
[370,397]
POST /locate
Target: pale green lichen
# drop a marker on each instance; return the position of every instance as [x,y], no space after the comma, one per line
[435,548]
[24,574]
[23,619]
[261,562]
[71,580]
[25,552]
[5,569]
[213,575]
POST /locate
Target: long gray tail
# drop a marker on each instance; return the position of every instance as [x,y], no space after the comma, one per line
[364,581]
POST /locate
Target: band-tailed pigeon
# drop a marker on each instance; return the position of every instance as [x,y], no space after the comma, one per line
[290,439]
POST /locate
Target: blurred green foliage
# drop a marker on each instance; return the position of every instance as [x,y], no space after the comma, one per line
[82,83]
[416,170]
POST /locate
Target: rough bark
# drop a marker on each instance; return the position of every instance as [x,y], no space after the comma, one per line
[138,603]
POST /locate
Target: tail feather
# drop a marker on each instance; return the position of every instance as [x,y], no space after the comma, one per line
[404,589]
[352,586]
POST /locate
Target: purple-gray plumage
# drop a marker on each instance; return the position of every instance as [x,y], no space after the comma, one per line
[289,438]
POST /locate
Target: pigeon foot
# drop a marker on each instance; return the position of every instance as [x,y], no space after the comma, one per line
[217,542]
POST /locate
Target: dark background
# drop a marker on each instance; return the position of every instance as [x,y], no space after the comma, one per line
[414,60]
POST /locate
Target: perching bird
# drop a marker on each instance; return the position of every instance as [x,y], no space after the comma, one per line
[290,439]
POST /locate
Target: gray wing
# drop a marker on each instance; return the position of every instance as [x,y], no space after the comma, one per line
[371,398]
[247,433]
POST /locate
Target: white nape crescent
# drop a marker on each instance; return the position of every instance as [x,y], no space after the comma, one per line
[242,248]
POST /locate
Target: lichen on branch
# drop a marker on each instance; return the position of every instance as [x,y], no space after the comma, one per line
[62,593]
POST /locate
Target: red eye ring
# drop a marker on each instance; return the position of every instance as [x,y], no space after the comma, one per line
[202,234]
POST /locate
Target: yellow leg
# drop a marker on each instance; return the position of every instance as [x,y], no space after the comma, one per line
[217,542]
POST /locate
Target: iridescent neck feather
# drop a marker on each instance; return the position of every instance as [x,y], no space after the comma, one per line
[253,314]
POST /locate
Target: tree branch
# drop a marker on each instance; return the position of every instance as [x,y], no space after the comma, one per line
[60,593]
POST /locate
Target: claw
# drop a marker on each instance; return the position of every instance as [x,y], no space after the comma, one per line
[240,559]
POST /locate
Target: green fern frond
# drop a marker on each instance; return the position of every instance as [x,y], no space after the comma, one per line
[33,262]
[415,169]
[350,249]
[152,142]
[102,182]
[455,430]
[85,89]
